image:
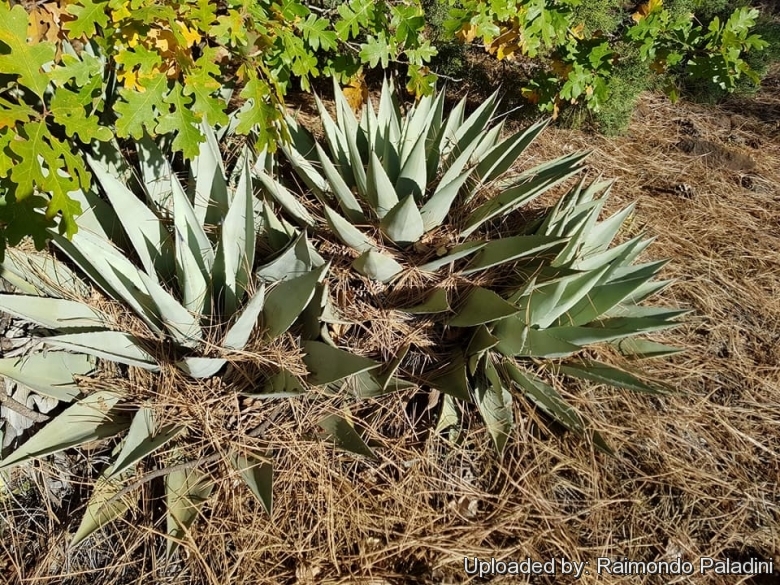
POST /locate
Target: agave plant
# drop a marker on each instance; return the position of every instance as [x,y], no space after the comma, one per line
[407,174]
[403,176]
[588,294]
[182,258]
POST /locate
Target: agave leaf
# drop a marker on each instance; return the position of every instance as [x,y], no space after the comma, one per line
[328,364]
[389,114]
[156,172]
[143,438]
[367,385]
[211,191]
[547,398]
[523,193]
[285,302]
[620,255]
[280,385]
[377,265]
[185,492]
[240,331]
[503,250]
[110,345]
[340,189]
[49,373]
[184,328]
[403,223]
[598,301]
[296,260]
[36,274]
[381,192]
[481,341]
[235,254]
[448,141]
[277,234]
[200,367]
[458,252]
[112,272]
[643,348]
[434,135]
[548,301]
[388,373]
[435,303]
[518,339]
[346,232]
[605,374]
[304,168]
[438,205]
[345,435]
[53,313]
[494,403]
[337,142]
[301,140]
[413,179]
[358,171]
[99,511]
[98,216]
[614,328]
[194,256]
[449,417]
[551,402]
[473,126]
[603,233]
[415,124]
[186,222]
[143,228]
[481,306]
[487,141]
[503,155]
[258,475]
[90,419]
[451,380]
[286,199]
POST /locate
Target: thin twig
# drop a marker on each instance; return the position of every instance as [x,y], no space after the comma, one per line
[21,409]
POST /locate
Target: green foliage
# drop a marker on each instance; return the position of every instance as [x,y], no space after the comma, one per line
[583,47]
[87,69]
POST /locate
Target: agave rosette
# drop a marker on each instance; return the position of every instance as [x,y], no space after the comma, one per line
[589,294]
[404,176]
[182,258]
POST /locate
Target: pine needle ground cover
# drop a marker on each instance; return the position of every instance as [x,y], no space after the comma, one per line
[416,512]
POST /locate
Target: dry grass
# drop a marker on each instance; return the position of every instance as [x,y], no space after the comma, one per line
[696,474]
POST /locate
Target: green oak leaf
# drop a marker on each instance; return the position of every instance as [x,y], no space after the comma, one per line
[89,15]
[69,109]
[376,49]
[201,83]
[139,109]
[23,59]
[182,123]
[81,69]
[315,32]
[261,116]
[65,172]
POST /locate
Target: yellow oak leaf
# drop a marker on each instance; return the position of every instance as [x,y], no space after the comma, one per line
[356,93]
[646,8]
[120,14]
[467,33]
[578,31]
[191,35]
